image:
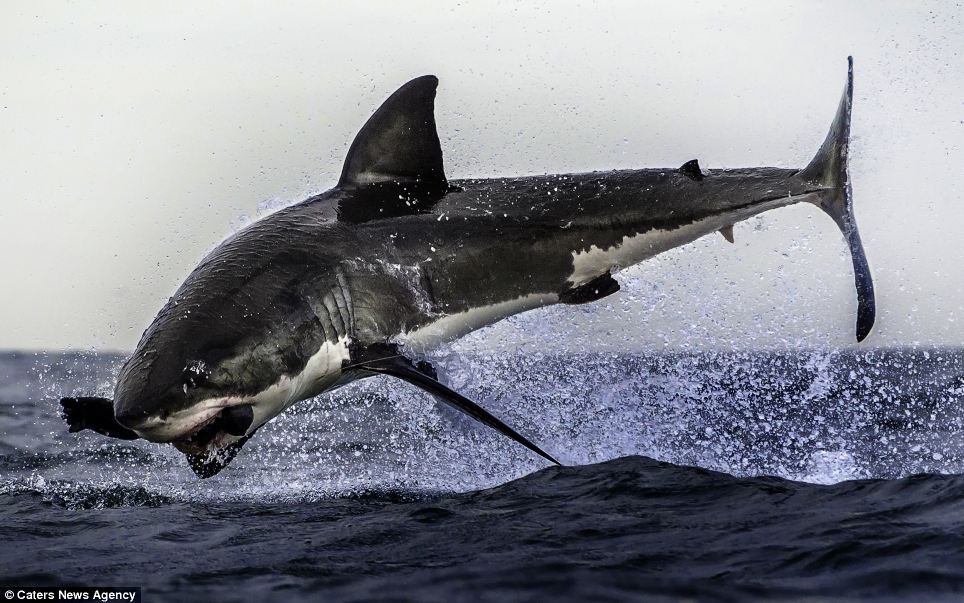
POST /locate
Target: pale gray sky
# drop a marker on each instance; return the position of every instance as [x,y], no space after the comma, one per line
[135,136]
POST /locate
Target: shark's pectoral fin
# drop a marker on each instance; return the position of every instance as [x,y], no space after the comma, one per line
[387,360]
[596,289]
[96,414]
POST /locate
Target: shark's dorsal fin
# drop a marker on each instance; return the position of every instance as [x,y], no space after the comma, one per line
[691,169]
[399,143]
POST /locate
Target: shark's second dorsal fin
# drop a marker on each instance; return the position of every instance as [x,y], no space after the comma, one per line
[399,143]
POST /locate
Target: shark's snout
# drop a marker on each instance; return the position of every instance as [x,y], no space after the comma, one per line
[160,416]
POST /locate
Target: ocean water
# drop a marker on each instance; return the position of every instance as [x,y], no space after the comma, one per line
[709,476]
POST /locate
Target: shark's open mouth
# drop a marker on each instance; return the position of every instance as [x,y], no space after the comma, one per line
[201,438]
[209,435]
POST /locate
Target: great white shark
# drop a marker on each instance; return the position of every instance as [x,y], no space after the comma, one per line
[365,278]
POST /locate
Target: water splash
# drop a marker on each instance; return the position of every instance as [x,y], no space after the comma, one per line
[815,416]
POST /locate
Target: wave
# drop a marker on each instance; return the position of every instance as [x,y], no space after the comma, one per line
[624,529]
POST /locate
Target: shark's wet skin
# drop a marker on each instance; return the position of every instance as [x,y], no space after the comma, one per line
[363,279]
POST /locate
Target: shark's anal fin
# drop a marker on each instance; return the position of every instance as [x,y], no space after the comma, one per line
[596,289]
[96,414]
[691,169]
[386,359]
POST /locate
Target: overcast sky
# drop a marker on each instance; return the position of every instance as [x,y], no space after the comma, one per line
[135,136]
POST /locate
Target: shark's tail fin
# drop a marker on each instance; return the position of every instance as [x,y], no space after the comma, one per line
[829,170]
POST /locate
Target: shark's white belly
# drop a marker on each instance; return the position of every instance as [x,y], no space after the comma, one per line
[635,248]
[452,326]
[321,371]
[595,261]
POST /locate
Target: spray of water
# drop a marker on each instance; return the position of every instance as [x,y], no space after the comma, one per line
[814,416]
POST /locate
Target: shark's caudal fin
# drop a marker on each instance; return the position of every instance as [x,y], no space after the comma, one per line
[829,169]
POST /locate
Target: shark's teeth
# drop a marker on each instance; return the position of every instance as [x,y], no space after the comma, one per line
[200,432]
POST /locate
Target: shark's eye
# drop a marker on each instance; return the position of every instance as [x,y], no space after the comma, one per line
[195,374]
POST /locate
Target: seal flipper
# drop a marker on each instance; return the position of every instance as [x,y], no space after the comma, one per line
[96,414]
[391,362]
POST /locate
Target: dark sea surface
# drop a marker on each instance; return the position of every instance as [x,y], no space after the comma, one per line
[698,476]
